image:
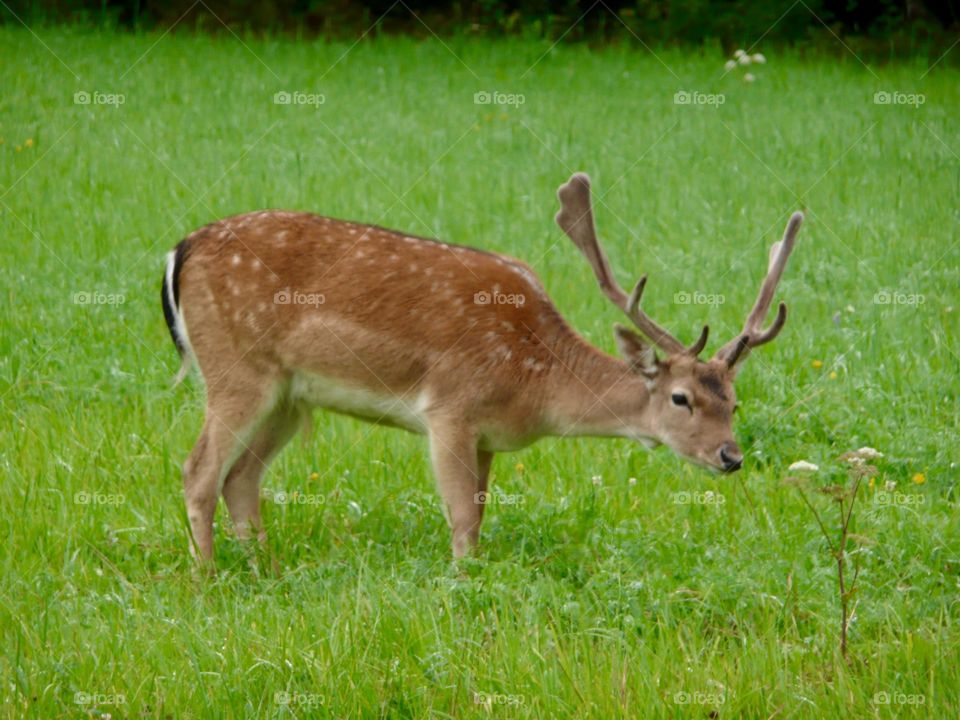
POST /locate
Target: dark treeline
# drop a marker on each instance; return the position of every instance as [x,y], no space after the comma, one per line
[889,24]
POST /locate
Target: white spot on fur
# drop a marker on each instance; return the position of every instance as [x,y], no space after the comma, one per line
[235,260]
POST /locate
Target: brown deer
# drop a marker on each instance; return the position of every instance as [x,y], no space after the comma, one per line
[287,311]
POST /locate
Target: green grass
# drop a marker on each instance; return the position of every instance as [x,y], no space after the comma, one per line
[588,599]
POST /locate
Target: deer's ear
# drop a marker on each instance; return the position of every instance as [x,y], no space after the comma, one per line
[638,354]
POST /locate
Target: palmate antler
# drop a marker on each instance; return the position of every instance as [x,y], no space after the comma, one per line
[576,220]
[752,334]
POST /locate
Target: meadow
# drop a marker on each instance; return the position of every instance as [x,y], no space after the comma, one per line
[611,582]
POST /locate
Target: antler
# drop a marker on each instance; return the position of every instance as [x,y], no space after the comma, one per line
[752,334]
[576,220]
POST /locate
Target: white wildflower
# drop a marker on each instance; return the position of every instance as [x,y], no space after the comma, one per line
[869,453]
[803,466]
[738,54]
[759,58]
[744,59]
[890,485]
[632,481]
[729,65]
[749,77]
[596,479]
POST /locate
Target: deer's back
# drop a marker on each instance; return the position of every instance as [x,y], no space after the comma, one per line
[300,293]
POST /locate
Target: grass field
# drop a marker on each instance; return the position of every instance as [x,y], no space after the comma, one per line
[594,595]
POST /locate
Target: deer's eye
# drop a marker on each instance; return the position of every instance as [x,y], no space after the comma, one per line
[680,400]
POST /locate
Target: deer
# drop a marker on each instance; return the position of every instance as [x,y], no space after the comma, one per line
[283,312]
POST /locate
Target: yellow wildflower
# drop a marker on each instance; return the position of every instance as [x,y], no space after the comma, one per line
[519,467]
[817,364]
[833,375]
[919,478]
[314,476]
[28,142]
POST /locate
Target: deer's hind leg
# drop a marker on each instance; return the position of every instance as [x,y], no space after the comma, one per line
[236,407]
[241,488]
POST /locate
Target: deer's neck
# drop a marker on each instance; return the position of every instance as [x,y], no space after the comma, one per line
[594,394]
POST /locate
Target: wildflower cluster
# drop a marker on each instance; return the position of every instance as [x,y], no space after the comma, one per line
[742,59]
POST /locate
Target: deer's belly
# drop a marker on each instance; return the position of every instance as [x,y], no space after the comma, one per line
[378,407]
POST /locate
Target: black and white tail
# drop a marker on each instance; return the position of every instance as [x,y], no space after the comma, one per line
[170,297]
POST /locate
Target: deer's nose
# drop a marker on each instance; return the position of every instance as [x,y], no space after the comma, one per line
[731,457]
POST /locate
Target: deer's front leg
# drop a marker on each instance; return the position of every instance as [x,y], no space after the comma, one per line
[460,477]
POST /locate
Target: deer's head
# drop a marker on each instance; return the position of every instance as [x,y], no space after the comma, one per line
[691,401]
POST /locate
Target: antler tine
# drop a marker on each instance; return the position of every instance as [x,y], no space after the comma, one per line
[576,220]
[753,335]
